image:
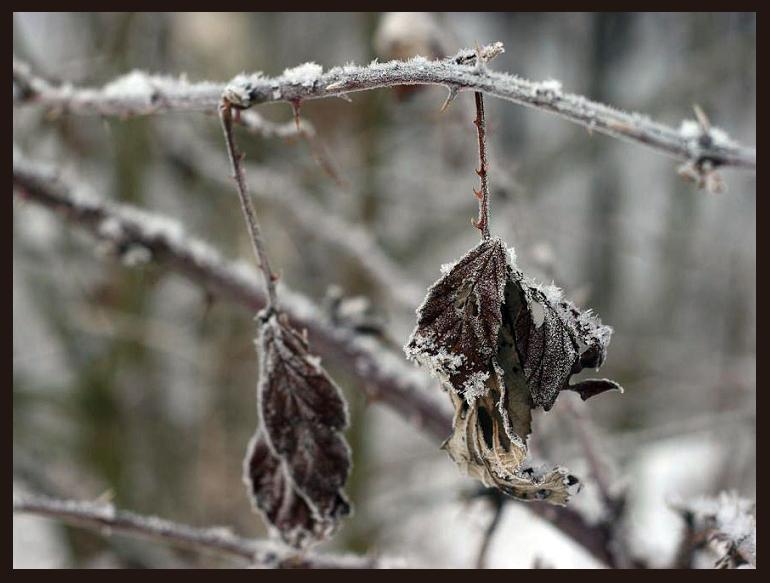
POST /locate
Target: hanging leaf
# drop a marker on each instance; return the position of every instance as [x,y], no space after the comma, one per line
[502,345]
[304,459]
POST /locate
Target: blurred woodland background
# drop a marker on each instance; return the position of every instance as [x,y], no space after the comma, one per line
[131,384]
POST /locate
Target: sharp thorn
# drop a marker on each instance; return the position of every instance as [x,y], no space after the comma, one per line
[449,99]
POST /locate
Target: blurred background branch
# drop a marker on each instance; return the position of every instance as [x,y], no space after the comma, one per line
[129,229]
[218,540]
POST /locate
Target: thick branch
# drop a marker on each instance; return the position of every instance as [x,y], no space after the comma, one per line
[381,374]
[139,94]
[218,540]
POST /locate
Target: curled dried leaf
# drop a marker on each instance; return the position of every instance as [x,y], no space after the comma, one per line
[299,446]
[555,340]
[503,345]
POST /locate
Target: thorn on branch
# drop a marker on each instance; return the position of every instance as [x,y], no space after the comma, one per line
[702,118]
[451,96]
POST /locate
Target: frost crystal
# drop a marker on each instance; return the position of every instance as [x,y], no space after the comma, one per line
[690,129]
[475,386]
[136,255]
[306,74]
[695,134]
[110,229]
[549,88]
[132,84]
[447,267]
[239,90]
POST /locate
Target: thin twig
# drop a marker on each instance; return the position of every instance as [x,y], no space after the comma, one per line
[482,223]
[384,376]
[498,504]
[256,124]
[140,94]
[727,521]
[597,466]
[612,502]
[225,113]
[217,540]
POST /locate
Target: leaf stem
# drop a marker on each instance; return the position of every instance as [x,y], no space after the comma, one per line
[225,115]
[482,223]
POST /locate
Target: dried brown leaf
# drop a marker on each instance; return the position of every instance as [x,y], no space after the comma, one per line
[273,495]
[502,345]
[307,458]
[556,340]
[458,323]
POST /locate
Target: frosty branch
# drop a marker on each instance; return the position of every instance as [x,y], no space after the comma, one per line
[384,376]
[139,93]
[217,540]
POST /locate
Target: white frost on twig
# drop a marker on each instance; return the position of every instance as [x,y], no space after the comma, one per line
[152,94]
[305,74]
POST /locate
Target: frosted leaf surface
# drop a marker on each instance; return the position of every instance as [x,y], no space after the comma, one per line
[457,325]
[556,340]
